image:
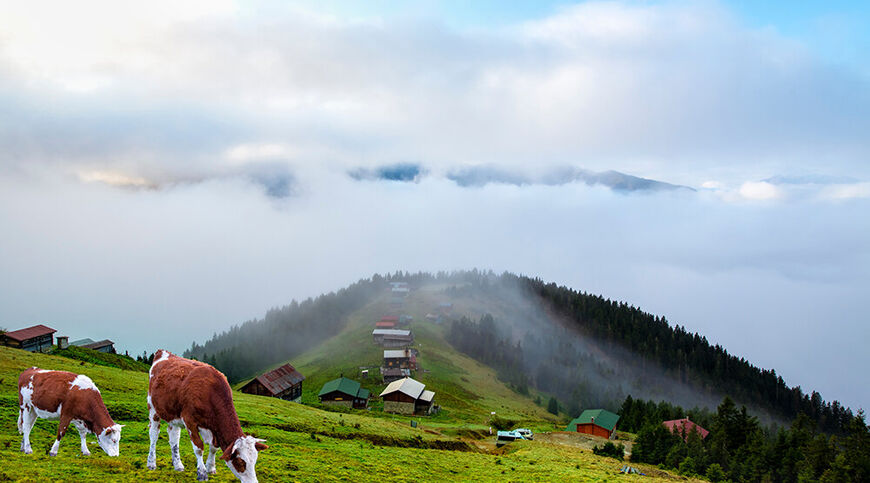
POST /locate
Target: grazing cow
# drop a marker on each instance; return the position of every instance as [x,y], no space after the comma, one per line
[72,398]
[197,396]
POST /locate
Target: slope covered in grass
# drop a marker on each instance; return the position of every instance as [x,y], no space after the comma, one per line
[306,444]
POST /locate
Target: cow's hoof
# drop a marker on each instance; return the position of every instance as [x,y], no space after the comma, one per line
[212,471]
[201,475]
[52,454]
[27,451]
[86,454]
[151,466]
[179,467]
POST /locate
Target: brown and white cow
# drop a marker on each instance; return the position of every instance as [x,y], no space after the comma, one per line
[71,398]
[197,396]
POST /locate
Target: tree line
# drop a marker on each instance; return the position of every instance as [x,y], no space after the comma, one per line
[739,448]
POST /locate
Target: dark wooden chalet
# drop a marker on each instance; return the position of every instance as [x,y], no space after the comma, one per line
[284,382]
[34,339]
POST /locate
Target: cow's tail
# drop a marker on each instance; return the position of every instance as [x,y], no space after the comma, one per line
[20,420]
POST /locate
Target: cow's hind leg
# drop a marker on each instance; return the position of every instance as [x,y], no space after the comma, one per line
[28,419]
[154,434]
[174,432]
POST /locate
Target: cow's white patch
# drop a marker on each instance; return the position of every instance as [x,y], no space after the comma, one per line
[27,394]
[40,371]
[80,426]
[163,356]
[83,382]
[206,435]
[45,414]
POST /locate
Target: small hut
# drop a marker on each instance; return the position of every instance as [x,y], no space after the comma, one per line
[393,337]
[597,422]
[284,382]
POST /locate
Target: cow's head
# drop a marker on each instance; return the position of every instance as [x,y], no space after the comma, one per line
[110,438]
[241,457]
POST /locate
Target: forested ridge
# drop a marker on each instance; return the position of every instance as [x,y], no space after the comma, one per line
[687,356]
[245,350]
[579,376]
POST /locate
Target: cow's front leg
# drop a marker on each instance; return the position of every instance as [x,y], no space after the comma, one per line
[28,419]
[61,430]
[196,442]
[83,431]
[174,431]
[209,465]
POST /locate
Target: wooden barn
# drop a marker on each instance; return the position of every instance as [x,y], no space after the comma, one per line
[393,337]
[284,382]
[34,339]
[407,396]
[597,422]
[684,427]
[344,392]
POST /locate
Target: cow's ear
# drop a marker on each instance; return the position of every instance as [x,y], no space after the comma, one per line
[229,453]
[260,446]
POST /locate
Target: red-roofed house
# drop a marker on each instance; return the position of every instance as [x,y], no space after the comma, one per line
[683,427]
[33,339]
[284,382]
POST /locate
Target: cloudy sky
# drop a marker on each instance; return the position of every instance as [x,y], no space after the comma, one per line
[169,169]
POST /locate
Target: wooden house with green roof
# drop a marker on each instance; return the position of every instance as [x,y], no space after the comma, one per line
[597,422]
[344,392]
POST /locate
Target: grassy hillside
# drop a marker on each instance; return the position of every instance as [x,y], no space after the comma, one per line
[306,444]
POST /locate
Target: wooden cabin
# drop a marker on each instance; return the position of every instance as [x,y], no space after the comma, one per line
[344,392]
[407,396]
[393,337]
[34,339]
[597,422]
[401,358]
[284,382]
[101,346]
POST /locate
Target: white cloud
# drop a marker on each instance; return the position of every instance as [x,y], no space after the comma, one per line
[759,190]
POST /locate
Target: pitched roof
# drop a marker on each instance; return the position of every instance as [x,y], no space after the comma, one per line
[686,426]
[393,332]
[427,396]
[603,418]
[396,354]
[280,379]
[390,318]
[406,386]
[82,342]
[343,385]
[30,332]
[98,345]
